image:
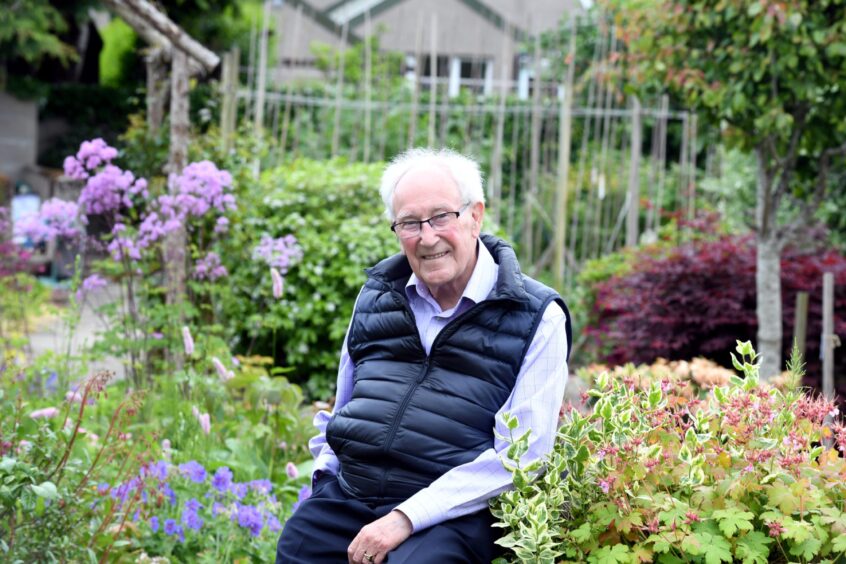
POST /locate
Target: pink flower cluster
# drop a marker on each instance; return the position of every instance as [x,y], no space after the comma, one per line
[56,219]
[90,284]
[278,253]
[107,187]
[203,419]
[209,268]
[202,186]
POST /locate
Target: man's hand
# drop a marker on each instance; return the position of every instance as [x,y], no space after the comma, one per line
[374,541]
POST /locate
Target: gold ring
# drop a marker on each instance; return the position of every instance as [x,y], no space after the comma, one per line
[368,557]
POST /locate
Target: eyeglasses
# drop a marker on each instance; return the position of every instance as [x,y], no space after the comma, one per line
[439,222]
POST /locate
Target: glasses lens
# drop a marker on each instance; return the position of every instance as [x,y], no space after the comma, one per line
[441,221]
[408,229]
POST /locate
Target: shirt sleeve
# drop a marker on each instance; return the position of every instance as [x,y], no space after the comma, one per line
[535,401]
[325,459]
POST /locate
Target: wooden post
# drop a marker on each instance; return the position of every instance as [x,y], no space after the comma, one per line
[415,94]
[368,71]
[261,85]
[829,339]
[157,87]
[339,91]
[229,109]
[564,133]
[800,324]
[433,77]
[251,68]
[527,243]
[176,241]
[495,203]
[691,183]
[633,218]
[286,119]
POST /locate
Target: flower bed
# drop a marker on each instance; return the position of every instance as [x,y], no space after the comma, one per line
[740,472]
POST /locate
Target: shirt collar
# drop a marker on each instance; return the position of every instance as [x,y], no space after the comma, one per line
[479,286]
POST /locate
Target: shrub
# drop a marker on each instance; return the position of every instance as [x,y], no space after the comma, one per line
[688,301]
[739,473]
[335,212]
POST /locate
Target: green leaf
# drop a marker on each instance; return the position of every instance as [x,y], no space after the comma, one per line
[779,495]
[838,543]
[806,549]
[717,549]
[753,549]
[617,554]
[733,519]
[581,534]
[47,490]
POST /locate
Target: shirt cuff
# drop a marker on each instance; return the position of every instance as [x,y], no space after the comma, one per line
[418,515]
[325,463]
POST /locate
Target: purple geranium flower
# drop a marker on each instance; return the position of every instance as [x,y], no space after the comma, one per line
[222,479]
[194,471]
[154,523]
[250,518]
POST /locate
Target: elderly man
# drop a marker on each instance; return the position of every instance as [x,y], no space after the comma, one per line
[445,337]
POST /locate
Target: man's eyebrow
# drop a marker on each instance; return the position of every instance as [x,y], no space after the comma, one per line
[435,211]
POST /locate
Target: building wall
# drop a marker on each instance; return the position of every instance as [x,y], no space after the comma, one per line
[18,134]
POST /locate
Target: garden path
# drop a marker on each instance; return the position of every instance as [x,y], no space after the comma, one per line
[51,333]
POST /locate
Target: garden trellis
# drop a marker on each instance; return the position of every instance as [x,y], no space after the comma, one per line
[619,153]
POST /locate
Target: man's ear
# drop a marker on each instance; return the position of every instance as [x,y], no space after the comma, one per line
[477,212]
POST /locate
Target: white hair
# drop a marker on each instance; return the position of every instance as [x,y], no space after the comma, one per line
[463,170]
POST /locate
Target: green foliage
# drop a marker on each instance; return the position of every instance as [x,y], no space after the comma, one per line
[334,210]
[118,52]
[29,30]
[733,473]
[50,509]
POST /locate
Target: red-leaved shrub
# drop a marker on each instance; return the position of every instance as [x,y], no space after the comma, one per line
[698,298]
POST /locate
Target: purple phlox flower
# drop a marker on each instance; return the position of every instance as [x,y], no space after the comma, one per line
[276,278]
[187,341]
[222,372]
[121,247]
[239,490]
[291,470]
[57,219]
[154,523]
[250,518]
[221,225]
[90,284]
[272,523]
[261,486]
[209,268]
[304,494]
[222,479]
[279,253]
[111,189]
[202,186]
[156,335]
[194,471]
[44,413]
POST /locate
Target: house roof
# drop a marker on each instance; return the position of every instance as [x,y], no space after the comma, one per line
[353,11]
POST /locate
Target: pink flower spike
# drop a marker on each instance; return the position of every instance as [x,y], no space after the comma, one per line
[224,374]
[205,423]
[187,341]
[277,283]
[195,412]
[44,413]
[292,471]
[166,444]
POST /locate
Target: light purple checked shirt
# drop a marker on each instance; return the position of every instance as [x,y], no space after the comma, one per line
[535,401]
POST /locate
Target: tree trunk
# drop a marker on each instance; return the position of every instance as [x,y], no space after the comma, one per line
[767,275]
[175,242]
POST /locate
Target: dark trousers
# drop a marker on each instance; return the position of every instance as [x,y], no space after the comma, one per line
[324,525]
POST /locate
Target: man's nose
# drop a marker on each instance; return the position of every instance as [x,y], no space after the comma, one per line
[427,233]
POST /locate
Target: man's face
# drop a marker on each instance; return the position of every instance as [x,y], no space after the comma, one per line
[443,260]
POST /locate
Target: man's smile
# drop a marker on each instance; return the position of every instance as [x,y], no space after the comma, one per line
[436,256]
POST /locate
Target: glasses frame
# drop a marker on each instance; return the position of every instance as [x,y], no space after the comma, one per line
[429,220]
